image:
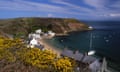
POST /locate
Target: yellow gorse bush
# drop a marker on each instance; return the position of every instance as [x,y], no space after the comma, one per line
[37,57]
[14,50]
[8,43]
[5,54]
[63,65]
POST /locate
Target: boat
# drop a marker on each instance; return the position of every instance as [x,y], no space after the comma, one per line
[90,28]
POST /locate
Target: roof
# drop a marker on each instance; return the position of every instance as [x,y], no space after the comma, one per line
[68,53]
[78,56]
[95,66]
[88,59]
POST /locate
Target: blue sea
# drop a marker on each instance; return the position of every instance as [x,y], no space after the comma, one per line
[105,41]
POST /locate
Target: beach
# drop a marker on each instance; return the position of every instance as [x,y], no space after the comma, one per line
[48,46]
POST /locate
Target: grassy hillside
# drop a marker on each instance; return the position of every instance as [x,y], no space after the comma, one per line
[23,26]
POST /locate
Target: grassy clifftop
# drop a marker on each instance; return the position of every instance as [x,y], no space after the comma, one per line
[27,25]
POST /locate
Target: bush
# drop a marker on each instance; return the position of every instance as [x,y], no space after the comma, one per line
[15,51]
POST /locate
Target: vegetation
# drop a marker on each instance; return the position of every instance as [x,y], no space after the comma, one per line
[27,25]
[19,35]
[14,56]
[64,65]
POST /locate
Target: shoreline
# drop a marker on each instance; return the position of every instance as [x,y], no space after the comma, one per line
[50,46]
[69,32]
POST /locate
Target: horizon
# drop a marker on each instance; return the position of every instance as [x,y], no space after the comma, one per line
[81,10]
[83,20]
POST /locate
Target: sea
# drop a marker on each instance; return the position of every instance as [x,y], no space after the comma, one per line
[105,41]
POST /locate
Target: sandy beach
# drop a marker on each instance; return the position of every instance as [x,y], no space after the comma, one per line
[50,47]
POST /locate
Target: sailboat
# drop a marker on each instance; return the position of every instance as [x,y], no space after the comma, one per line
[91,52]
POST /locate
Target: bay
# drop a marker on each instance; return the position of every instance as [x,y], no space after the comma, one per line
[105,41]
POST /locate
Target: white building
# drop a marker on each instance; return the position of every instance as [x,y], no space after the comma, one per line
[45,34]
[95,66]
[30,36]
[33,42]
[38,31]
[51,33]
[37,36]
[90,27]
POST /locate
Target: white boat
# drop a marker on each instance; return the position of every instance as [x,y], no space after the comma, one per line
[90,28]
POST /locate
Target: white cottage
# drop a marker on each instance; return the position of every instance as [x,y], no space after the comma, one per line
[30,36]
[95,66]
[37,36]
[33,42]
[38,31]
[45,34]
[51,33]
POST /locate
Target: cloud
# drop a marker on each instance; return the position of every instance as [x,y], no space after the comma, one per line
[24,5]
[105,8]
[97,3]
[50,15]
[115,15]
[71,5]
[101,7]
[94,8]
[29,6]
[103,4]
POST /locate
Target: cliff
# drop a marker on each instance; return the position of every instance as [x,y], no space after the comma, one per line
[19,26]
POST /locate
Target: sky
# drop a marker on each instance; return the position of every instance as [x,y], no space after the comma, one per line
[79,9]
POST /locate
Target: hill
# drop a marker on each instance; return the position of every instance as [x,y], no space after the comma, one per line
[23,26]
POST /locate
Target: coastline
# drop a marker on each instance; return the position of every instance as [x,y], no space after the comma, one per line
[50,46]
[72,31]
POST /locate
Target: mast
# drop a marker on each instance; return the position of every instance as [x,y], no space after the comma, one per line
[91,51]
[90,41]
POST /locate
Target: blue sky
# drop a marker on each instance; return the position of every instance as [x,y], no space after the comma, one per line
[80,9]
